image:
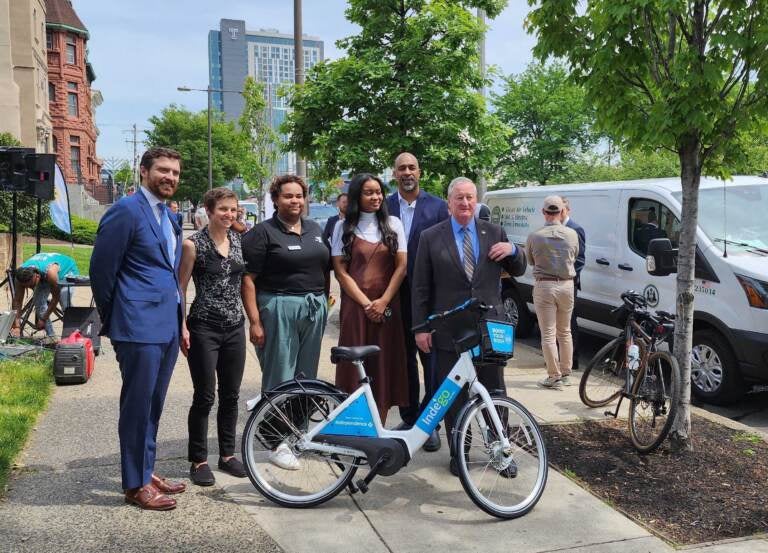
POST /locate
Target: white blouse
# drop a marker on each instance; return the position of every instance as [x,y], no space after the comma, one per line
[368,230]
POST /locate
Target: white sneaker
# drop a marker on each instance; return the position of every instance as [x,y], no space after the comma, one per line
[551,382]
[284,458]
[565,381]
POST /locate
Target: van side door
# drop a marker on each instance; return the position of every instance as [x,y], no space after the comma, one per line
[645,217]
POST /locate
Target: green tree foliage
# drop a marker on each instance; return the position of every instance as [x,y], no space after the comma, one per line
[409,82]
[551,124]
[262,141]
[26,206]
[187,132]
[124,174]
[684,75]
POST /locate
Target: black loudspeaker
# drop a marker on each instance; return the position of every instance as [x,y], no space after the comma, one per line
[13,169]
[40,175]
[87,321]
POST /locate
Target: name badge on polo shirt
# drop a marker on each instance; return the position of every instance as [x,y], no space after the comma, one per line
[292,248]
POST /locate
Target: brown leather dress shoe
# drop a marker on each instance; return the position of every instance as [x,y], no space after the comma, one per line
[168,486]
[150,498]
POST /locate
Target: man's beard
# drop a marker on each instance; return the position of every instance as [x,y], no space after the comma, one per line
[409,185]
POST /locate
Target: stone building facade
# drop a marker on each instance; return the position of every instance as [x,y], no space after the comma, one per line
[24,109]
[71,98]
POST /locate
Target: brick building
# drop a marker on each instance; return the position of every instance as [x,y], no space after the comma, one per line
[69,90]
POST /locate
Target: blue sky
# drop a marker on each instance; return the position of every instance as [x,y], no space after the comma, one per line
[142,50]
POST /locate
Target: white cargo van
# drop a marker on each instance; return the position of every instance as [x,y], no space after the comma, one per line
[730,341]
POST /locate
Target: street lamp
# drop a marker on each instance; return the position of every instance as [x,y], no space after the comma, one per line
[210,91]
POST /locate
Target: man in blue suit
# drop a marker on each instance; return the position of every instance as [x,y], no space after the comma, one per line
[418,211]
[135,282]
[565,218]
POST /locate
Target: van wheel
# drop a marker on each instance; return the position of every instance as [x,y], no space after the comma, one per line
[513,303]
[715,376]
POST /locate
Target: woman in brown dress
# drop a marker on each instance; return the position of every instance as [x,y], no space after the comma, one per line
[369,260]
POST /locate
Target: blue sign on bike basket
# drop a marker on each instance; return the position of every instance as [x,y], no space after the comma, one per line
[354,420]
[438,406]
[501,336]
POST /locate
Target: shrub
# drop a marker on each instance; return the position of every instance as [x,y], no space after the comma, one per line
[83,230]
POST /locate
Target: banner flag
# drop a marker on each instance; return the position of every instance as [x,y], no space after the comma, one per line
[59,207]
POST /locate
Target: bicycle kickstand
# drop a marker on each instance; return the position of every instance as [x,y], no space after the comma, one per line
[615,413]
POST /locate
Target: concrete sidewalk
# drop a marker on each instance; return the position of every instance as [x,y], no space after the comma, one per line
[66,493]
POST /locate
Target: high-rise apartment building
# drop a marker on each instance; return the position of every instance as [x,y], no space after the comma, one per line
[24,74]
[266,55]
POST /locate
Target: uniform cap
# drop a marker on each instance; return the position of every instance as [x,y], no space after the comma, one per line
[553,204]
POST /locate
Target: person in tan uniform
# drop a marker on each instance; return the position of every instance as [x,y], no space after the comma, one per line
[552,250]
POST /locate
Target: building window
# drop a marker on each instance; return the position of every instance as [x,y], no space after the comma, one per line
[55,145]
[51,92]
[74,139]
[74,158]
[72,86]
[72,104]
[71,49]
[49,40]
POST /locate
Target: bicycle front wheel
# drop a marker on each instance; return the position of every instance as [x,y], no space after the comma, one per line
[604,377]
[276,467]
[505,483]
[653,404]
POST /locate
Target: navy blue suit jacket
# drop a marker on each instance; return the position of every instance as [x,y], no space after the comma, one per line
[135,284]
[580,257]
[330,224]
[430,210]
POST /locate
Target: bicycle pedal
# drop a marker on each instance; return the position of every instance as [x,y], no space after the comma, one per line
[362,486]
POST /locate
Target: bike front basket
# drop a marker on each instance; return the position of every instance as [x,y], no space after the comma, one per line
[497,343]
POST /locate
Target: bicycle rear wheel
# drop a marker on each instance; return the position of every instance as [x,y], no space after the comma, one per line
[281,472]
[505,484]
[604,377]
[653,404]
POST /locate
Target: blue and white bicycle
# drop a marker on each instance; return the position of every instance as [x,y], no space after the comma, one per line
[330,434]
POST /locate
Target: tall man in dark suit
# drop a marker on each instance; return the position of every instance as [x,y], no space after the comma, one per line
[330,224]
[565,218]
[418,210]
[135,282]
[459,259]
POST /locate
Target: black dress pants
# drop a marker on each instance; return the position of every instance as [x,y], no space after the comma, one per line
[215,354]
[416,402]
[490,376]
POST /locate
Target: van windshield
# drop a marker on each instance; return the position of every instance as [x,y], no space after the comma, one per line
[741,222]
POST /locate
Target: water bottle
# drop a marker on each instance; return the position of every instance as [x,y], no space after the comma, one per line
[633,357]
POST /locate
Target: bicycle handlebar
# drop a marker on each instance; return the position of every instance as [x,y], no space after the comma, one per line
[470,304]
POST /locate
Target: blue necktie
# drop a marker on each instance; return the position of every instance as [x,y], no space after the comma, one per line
[165,227]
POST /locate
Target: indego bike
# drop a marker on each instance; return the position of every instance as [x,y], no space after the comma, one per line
[632,366]
[502,462]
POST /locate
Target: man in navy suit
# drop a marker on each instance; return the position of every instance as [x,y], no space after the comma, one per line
[330,224]
[418,211]
[565,218]
[135,282]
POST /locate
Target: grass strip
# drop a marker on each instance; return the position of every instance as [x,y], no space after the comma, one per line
[25,386]
[81,254]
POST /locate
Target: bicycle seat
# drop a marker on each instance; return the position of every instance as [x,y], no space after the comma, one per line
[341,353]
[665,315]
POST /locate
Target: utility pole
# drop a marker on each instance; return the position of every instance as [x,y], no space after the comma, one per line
[481,183]
[135,141]
[298,58]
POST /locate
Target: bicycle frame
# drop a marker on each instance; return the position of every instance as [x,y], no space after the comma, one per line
[358,415]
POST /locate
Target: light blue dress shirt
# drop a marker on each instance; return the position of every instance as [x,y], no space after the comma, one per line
[407,211]
[458,236]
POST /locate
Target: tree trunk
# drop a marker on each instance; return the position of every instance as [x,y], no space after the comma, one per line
[690,164]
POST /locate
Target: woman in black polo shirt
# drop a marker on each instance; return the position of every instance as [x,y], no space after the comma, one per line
[285,291]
